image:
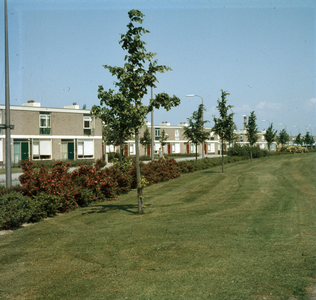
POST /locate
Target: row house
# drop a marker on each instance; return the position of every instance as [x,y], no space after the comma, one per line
[177,143]
[43,133]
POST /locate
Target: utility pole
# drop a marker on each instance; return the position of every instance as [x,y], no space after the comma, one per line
[7,125]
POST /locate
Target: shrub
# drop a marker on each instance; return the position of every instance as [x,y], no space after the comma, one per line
[14,210]
[43,206]
[243,150]
[292,149]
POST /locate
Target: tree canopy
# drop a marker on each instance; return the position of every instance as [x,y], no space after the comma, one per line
[195,132]
[125,105]
[270,135]
[224,125]
[252,131]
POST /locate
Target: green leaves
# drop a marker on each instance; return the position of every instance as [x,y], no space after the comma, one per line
[252,129]
[224,125]
[270,135]
[195,132]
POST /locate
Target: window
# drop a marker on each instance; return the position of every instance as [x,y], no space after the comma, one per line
[177,134]
[132,148]
[212,136]
[157,134]
[176,148]
[85,149]
[42,149]
[45,123]
[87,125]
[241,138]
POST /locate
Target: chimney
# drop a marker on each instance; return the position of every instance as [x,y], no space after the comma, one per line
[31,103]
[245,123]
[74,103]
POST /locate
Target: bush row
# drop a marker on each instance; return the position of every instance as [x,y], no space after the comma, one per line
[292,149]
[67,190]
[244,151]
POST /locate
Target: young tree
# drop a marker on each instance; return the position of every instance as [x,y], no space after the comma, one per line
[224,124]
[133,80]
[270,135]
[146,139]
[195,132]
[117,125]
[308,139]
[283,138]
[298,140]
[163,140]
[252,131]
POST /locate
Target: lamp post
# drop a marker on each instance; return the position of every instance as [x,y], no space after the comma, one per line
[298,129]
[266,121]
[152,124]
[152,129]
[202,119]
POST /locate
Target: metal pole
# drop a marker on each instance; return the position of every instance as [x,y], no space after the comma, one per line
[152,129]
[7,106]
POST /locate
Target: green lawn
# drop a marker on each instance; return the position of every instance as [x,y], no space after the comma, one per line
[13,170]
[248,233]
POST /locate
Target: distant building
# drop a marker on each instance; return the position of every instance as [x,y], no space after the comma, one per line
[43,133]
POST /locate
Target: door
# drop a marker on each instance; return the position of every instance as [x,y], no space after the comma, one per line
[71,150]
[169,148]
[205,150]
[126,150]
[148,150]
[24,150]
[188,148]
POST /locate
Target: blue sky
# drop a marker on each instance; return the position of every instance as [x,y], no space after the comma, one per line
[261,52]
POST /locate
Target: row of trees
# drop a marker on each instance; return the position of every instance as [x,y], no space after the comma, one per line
[123,112]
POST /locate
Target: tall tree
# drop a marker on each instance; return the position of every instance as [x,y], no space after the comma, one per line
[224,124]
[298,140]
[282,138]
[145,140]
[252,131]
[270,135]
[308,139]
[133,80]
[195,132]
[163,140]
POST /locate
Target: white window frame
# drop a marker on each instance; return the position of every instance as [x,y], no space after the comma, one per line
[85,152]
[177,134]
[42,154]
[47,118]
[90,127]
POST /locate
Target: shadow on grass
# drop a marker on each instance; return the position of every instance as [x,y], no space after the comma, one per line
[106,208]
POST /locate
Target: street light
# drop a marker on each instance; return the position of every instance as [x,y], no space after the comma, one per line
[152,124]
[266,121]
[202,119]
[298,129]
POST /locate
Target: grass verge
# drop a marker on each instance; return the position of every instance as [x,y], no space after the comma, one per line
[248,233]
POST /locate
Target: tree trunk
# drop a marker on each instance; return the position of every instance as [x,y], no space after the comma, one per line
[121,150]
[251,155]
[196,152]
[139,188]
[222,155]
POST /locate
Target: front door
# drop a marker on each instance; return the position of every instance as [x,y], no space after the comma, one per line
[148,150]
[169,149]
[71,150]
[24,150]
